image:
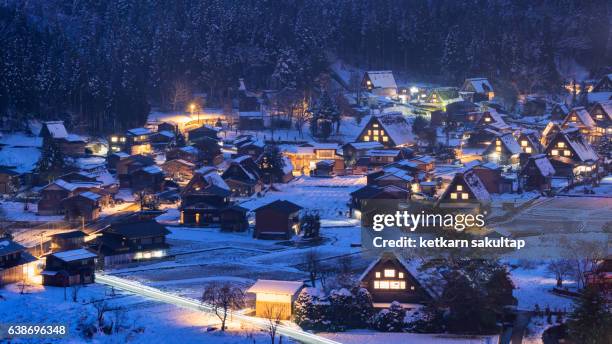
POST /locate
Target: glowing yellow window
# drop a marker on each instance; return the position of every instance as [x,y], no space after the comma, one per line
[377,274]
[114,139]
[375,132]
[369,132]
[375,138]
[366,138]
[561,144]
[498,149]
[122,139]
[567,153]
[376,284]
[400,274]
[389,273]
[465,196]
[599,116]
[385,139]
[453,195]
[498,143]
[528,150]
[402,285]
[384,285]
[554,152]
[459,187]
[573,119]
[382,132]
[487,119]
[197,218]
[524,143]
[375,125]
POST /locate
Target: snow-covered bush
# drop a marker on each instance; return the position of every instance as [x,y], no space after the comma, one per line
[391,319]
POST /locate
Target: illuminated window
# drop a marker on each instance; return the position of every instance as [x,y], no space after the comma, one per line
[376,284]
[375,132]
[567,153]
[389,273]
[561,144]
[382,132]
[498,143]
[599,116]
[411,287]
[197,218]
[377,274]
[366,138]
[453,195]
[400,275]
[554,152]
[182,217]
[573,119]
[122,139]
[395,284]
[498,149]
[384,284]
[375,125]
[487,119]
[459,187]
[524,143]
[528,150]
[465,196]
[114,139]
[385,139]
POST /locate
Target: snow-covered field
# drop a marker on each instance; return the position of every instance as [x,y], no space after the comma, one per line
[370,337]
[144,321]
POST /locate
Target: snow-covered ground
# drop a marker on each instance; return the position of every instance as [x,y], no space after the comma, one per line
[534,286]
[14,211]
[144,321]
[371,337]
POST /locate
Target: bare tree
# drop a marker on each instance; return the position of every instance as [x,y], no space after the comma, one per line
[75,291]
[273,314]
[560,269]
[179,95]
[345,273]
[312,265]
[119,318]
[223,298]
[101,308]
[586,255]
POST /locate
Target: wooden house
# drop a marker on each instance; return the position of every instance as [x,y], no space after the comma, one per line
[162,138]
[375,159]
[54,132]
[390,278]
[550,131]
[138,141]
[580,118]
[600,277]
[492,178]
[178,170]
[504,150]
[67,241]
[603,85]
[203,198]
[10,181]
[203,132]
[572,156]
[132,240]
[233,218]
[254,148]
[83,206]
[66,268]
[305,157]
[354,150]
[558,112]
[601,113]
[276,174]
[530,142]
[274,298]
[117,143]
[147,178]
[440,97]
[210,151]
[16,264]
[366,199]
[187,153]
[390,130]
[380,83]
[52,195]
[126,165]
[167,126]
[278,219]
[114,158]
[243,176]
[324,168]
[251,120]
[465,192]
[492,119]
[477,90]
[537,173]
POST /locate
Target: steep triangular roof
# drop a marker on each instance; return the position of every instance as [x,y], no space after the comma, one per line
[382,79]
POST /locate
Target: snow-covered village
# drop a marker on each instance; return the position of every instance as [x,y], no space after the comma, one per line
[236,172]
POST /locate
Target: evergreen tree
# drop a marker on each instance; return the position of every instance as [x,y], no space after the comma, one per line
[271,163]
[391,319]
[591,320]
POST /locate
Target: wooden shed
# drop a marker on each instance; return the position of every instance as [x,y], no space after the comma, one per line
[272,297]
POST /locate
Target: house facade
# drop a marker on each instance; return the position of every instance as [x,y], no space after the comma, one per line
[277,220]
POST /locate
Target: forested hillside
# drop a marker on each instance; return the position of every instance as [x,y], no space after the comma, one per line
[102,64]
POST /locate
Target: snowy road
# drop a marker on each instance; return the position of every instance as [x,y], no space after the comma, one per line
[192,304]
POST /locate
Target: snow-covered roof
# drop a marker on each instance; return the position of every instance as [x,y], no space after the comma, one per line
[583,116]
[544,165]
[594,97]
[480,85]
[21,159]
[72,255]
[216,180]
[190,149]
[166,133]
[475,185]
[9,246]
[510,143]
[394,172]
[152,169]
[56,129]
[382,152]
[382,79]
[90,195]
[75,138]
[62,184]
[365,145]
[580,146]
[397,128]
[275,287]
[139,131]
[607,107]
